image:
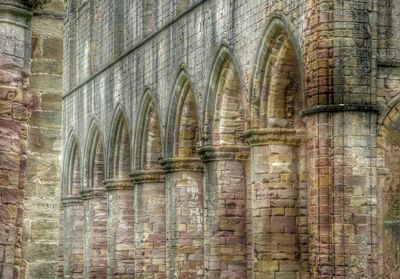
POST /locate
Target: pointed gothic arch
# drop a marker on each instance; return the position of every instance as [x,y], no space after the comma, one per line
[94,168]
[94,204]
[277,91]
[119,160]
[277,133]
[225,109]
[183,123]
[72,210]
[148,144]
[72,179]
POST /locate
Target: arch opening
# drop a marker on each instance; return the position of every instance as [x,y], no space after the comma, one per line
[152,151]
[121,155]
[228,118]
[187,132]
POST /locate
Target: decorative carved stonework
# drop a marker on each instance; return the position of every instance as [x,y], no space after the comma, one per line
[182,164]
[67,201]
[223,153]
[118,184]
[268,136]
[144,176]
[88,194]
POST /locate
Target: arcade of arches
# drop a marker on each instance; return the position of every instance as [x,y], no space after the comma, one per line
[200,139]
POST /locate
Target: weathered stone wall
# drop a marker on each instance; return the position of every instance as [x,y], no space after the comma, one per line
[30,132]
[15,108]
[42,191]
[287,95]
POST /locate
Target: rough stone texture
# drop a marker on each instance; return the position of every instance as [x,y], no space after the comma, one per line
[42,191]
[304,201]
[251,139]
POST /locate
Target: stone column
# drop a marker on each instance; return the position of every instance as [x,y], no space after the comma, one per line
[95,229]
[279,217]
[73,236]
[120,228]
[15,48]
[224,211]
[342,191]
[150,233]
[184,183]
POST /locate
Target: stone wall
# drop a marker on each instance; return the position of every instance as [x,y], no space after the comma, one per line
[30,137]
[286,97]
[42,191]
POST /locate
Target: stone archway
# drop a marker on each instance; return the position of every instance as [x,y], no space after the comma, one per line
[95,207]
[184,183]
[120,239]
[224,157]
[388,149]
[150,196]
[72,243]
[278,160]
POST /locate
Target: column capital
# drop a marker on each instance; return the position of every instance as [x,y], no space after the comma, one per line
[224,153]
[116,184]
[67,201]
[268,136]
[182,164]
[340,108]
[89,194]
[143,176]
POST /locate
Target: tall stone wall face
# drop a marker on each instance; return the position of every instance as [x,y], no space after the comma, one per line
[287,100]
[15,104]
[30,137]
[42,191]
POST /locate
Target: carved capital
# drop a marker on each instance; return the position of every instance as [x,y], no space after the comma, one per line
[67,201]
[148,176]
[89,194]
[224,153]
[268,136]
[182,164]
[118,184]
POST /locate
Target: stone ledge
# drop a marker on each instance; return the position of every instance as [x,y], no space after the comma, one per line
[118,184]
[224,153]
[67,201]
[88,194]
[340,108]
[182,164]
[148,176]
[268,136]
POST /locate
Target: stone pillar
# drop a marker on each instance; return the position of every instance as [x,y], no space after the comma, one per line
[184,183]
[73,236]
[342,191]
[95,229]
[279,218]
[120,228]
[15,47]
[224,211]
[150,232]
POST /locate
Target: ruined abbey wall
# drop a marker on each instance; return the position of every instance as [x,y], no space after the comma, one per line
[201,139]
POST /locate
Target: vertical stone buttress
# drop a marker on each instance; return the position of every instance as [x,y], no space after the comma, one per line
[15,102]
[73,214]
[279,222]
[95,229]
[120,227]
[184,183]
[341,130]
[224,212]
[149,219]
[72,236]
